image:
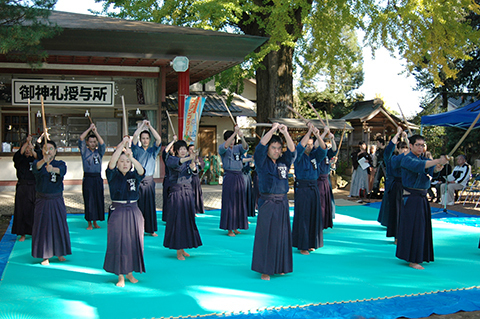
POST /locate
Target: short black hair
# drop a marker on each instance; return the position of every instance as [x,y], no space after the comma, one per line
[89,136]
[146,132]
[381,140]
[414,138]
[312,137]
[361,143]
[275,139]
[227,134]
[52,143]
[401,145]
[178,144]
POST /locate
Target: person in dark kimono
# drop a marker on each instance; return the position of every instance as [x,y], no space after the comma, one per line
[181,231]
[307,230]
[272,248]
[50,234]
[414,237]
[395,192]
[166,179]
[387,155]
[147,155]
[327,202]
[380,169]
[248,167]
[233,214]
[92,149]
[125,221]
[24,190]
[196,184]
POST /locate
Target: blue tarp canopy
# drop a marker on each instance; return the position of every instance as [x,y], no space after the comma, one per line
[461,118]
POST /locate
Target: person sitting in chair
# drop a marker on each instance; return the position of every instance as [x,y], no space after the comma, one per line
[457,180]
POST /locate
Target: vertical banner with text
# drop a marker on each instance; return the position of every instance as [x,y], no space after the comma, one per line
[193,112]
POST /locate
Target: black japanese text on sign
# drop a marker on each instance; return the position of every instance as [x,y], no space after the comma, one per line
[58,92]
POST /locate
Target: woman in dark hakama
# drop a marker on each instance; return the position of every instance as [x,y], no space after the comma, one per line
[92,148]
[196,185]
[395,193]
[181,231]
[247,169]
[233,214]
[25,190]
[166,179]
[272,249]
[125,223]
[414,237]
[307,230]
[50,235]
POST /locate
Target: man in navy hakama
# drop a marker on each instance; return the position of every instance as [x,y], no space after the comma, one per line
[327,202]
[233,214]
[147,155]
[383,214]
[50,234]
[307,230]
[272,249]
[395,192]
[25,194]
[414,237]
[92,149]
[248,167]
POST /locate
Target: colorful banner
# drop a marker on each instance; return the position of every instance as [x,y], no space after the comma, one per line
[193,113]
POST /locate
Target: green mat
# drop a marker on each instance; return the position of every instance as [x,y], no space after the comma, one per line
[357,262]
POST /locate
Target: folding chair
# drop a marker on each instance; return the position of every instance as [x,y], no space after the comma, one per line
[472,189]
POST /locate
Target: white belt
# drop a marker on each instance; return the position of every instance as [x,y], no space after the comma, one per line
[124,201]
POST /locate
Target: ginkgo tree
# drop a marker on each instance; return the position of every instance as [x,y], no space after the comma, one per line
[426,33]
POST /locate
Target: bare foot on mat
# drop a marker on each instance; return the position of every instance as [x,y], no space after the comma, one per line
[132,279]
[416,266]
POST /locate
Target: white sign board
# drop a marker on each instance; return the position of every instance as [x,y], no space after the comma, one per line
[64,93]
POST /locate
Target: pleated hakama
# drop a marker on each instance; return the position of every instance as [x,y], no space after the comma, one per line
[181,231]
[23,215]
[307,229]
[50,234]
[125,240]
[146,203]
[234,203]
[327,204]
[414,237]
[93,197]
[272,249]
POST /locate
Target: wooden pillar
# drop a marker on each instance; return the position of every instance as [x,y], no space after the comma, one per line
[183,92]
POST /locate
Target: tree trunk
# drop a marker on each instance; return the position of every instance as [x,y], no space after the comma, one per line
[275,85]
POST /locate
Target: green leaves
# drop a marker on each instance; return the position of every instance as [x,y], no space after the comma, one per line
[23,24]
[429,34]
